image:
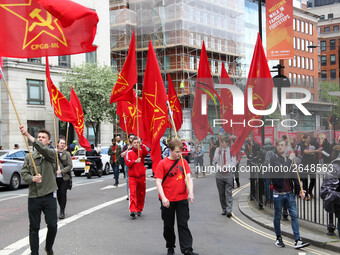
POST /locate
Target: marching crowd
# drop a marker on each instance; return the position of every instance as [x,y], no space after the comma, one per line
[49,177]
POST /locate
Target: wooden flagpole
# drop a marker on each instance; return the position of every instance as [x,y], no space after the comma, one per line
[174,127]
[137,117]
[16,112]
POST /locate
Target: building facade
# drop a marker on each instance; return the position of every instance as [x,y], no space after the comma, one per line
[27,82]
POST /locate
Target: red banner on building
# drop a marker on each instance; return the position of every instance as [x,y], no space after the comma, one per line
[279,19]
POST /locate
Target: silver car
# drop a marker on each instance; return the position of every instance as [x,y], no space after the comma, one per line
[11,162]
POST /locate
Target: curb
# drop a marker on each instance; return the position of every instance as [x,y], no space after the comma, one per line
[254,215]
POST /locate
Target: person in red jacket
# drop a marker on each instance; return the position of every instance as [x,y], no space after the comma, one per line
[134,159]
[174,196]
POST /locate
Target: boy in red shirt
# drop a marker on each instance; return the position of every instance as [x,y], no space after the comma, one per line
[135,162]
[170,181]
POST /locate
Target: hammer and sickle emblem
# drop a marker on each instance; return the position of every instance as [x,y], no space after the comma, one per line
[43,22]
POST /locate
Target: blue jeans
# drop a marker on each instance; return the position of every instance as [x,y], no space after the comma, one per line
[115,172]
[289,200]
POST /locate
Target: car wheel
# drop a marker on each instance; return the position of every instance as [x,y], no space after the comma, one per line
[77,173]
[15,181]
[106,169]
[100,173]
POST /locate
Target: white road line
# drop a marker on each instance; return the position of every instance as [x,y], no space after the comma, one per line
[113,187]
[42,233]
[15,196]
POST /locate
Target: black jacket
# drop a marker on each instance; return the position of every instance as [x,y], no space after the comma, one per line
[278,182]
[330,188]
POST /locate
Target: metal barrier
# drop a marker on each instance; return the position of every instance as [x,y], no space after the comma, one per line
[311,211]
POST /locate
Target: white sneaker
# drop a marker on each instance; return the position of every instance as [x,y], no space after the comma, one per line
[300,244]
[279,242]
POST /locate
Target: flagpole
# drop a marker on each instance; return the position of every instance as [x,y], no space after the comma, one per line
[116,125]
[55,138]
[16,112]
[68,125]
[174,127]
[137,117]
[126,130]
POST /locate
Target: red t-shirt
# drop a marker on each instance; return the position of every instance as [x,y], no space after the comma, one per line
[174,185]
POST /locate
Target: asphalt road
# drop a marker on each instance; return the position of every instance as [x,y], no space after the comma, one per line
[97,222]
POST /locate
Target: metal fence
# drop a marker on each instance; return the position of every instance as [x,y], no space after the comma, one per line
[311,211]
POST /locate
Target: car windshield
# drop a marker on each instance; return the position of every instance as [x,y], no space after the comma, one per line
[3,154]
[104,151]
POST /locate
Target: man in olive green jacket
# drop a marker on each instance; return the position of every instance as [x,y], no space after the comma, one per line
[42,189]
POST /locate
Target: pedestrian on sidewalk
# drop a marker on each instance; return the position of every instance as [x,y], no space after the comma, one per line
[115,160]
[330,189]
[198,160]
[226,165]
[126,148]
[238,161]
[63,174]
[283,194]
[174,196]
[41,189]
[134,159]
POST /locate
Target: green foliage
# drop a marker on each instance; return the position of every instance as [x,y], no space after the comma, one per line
[93,85]
[327,86]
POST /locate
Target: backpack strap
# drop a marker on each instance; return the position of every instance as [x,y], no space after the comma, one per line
[173,165]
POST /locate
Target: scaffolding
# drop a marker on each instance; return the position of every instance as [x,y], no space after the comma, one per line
[177,29]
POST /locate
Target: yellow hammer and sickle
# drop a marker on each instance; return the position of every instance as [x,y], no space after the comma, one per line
[43,22]
[179,177]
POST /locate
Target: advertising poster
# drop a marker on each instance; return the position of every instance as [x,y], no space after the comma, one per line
[279,21]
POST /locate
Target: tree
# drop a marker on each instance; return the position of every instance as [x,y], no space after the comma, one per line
[92,84]
[327,86]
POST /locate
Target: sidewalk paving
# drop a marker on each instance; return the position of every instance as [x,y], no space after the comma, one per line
[316,234]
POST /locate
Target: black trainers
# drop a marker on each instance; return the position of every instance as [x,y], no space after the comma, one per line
[171,251]
[300,244]
[139,213]
[49,252]
[279,242]
[229,215]
[133,215]
[190,253]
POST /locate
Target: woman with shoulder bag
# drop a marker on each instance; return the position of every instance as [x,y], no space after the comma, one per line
[63,175]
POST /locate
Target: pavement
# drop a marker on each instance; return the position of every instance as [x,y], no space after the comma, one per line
[316,234]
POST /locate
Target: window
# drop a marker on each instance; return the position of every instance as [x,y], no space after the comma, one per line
[307,81]
[167,63]
[333,60]
[303,62]
[302,26]
[330,15]
[326,29]
[191,38]
[298,61]
[213,66]
[303,80]
[307,25]
[323,75]
[336,28]
[213,43]
[91,57]
[206,41]
[294,21]
[290,62]
[192,63]
[64,61]
[311,29]
[90,135]
[311,64]
[294,78]
[197,62]
[312,97]
[298,43]
[312,81]
[198,40]
[35,92]
[302,44]
[290,78]
[332,44]
[322,17]
[333,74]
[219,67]
[307,63]
[114,65]
[323,45]
[323,60]
[34,60]
[298,25]
[294,42]
[33,127]
[299,80]
[219,45]
[294,62]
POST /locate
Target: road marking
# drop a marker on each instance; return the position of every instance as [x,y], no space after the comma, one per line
[87,183]
[113,187]
[15,196]
[42,233]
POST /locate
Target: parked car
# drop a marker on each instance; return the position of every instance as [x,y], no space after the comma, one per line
[148,160]
[78,161]
[11,162]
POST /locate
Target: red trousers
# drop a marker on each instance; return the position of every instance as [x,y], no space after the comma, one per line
[137,193]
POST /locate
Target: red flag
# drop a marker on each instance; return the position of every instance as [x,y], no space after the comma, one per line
[122,90]
[175,104]
[38,28]
[260,79]
[129,111]
[154,108]
[1,65]
[79,123]
[204,85]
[60,104]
